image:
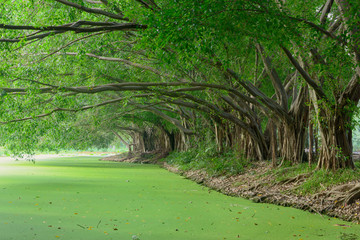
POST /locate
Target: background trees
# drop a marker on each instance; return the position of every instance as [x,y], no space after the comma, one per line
[247,75]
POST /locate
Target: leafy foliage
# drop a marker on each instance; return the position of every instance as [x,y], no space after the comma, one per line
[205,157]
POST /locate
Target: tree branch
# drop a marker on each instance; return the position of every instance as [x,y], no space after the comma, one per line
[305,75]
[68,44]
[61,29]
[274,76]
[74,110]
[325,11]
[92,10]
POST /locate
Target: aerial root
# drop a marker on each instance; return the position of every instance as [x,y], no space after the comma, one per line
[342,195]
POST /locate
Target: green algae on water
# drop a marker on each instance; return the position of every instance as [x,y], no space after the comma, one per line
[83,198]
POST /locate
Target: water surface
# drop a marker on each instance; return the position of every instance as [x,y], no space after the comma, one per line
[83,198]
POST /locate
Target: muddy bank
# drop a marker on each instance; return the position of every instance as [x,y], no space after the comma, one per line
[341,201]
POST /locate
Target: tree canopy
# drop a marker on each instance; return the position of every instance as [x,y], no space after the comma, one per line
[264,78]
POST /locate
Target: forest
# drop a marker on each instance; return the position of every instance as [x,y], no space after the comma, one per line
[252,98]
[264,79]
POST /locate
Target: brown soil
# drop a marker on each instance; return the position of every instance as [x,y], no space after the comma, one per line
[340,201]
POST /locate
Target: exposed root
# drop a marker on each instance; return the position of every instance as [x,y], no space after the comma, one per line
[296,180]
[342,195]
[255,186]
[353,195]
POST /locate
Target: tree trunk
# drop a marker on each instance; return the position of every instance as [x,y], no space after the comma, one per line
[336,147]
[294,132]
[273,143]
[311,143]
[293,145]
[123,141]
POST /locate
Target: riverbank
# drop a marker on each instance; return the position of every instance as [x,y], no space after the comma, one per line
[259,183]
[341,201]
[324,193]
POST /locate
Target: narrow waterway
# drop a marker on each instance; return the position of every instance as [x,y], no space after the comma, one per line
[84,199]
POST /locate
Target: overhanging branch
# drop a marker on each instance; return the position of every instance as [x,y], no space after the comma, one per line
[93,10]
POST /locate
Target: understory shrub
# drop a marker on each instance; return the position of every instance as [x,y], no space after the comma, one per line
[208,159]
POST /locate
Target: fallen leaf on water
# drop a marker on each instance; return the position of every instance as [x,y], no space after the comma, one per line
[341,225]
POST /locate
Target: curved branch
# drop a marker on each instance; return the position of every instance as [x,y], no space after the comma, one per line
[174,121]
[274,76]
[127,62]
[326,10]
[68,44]
[319,28]
[304,74]
[65,28]
[93,10]
[74,110]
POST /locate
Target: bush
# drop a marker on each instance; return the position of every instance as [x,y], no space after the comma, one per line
[207,158]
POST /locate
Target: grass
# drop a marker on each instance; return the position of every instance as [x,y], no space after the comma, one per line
[288,171]
[318,180]
[82,198]
[228,164]
[214,163]
[322,179]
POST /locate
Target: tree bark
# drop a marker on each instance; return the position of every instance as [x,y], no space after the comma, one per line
[311,143]
[273,144]
[336,147]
